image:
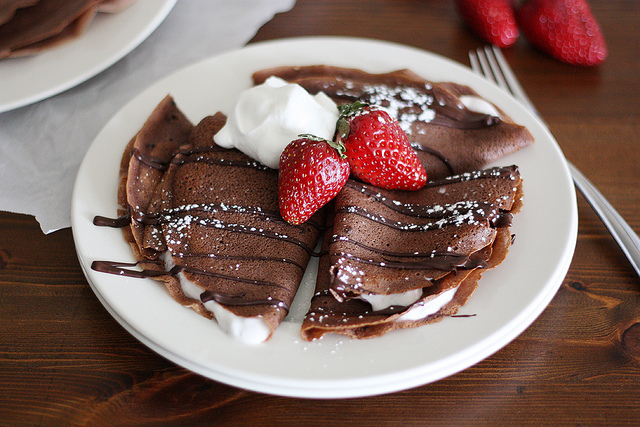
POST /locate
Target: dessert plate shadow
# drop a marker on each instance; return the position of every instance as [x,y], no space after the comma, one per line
[507,301]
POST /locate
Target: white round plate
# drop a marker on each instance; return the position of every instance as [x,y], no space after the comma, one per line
[108,38]
[507,301]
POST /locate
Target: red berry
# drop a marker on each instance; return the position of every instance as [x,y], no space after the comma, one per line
[312,172]
[565,29]
[378,150]
[491,20]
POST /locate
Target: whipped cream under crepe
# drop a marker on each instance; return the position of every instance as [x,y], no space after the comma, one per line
[269,116]
[249,330]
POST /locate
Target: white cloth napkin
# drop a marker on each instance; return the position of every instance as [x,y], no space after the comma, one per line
[42,145]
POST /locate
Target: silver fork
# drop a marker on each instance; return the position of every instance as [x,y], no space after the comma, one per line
[490,63]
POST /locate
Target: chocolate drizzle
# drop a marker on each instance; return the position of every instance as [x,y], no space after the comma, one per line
[240,300]
[195,155]
[435,153]
[120,269]
[408,97]
[455,214]
[470,210]
[445,261]
[126,269]
[170,216]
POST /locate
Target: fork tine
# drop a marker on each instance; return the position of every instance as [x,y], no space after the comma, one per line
[475,64]
[511,80]
[496,68]
[490,63]
[485,67]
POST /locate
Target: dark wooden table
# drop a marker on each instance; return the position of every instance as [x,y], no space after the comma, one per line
[65,360]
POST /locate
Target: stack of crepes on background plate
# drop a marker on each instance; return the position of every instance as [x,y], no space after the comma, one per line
[28,27]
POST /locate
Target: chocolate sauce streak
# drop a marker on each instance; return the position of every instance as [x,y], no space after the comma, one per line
[367,310]
[240,300]
[484,209]
[239,228]
[125,269]
[351,298]
[444,261]
[453,214]
[435,153]
[194,155]
[456,215]
[243,258]
[503,172]
[167,216]
[408,100]
[120,222]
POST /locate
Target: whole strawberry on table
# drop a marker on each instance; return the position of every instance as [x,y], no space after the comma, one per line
[565,29]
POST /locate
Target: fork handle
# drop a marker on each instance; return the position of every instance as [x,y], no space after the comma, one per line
[621,231]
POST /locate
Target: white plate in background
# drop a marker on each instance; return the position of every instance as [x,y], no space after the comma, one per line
[108,38]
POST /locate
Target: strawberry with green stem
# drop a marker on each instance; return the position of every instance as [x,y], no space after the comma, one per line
[312,171]
[377,148]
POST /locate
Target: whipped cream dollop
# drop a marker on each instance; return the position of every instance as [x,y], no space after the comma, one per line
[267,117]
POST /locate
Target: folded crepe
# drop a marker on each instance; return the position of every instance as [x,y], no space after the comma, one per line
[205,222]
[395,260]
[452,128]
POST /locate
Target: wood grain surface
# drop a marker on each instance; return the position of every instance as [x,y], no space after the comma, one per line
[65,361]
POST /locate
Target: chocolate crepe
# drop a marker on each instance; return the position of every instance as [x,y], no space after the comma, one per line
[448,137]
[384,243]
[206,218]
[8,8]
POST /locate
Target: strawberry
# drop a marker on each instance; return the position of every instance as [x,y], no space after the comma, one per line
[565,29]
[312,171]
[491,20]
[377,148]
